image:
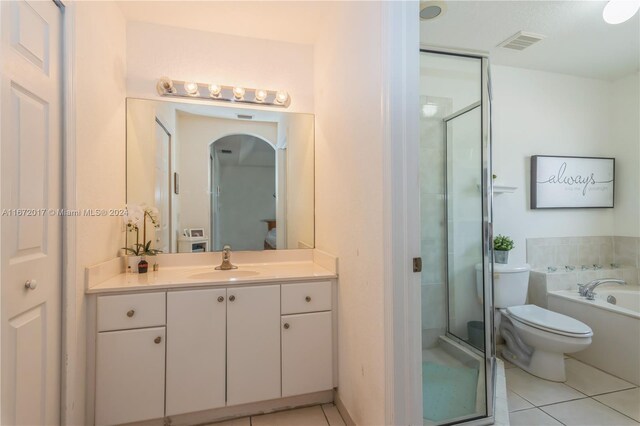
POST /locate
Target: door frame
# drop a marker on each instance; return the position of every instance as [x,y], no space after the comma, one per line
[400,129]
[69,228]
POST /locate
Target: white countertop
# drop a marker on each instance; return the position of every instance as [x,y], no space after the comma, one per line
[207,276]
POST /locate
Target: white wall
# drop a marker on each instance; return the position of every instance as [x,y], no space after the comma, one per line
[537,112]
[100,75]
[299,177]
[624,104]
[349,197]
[194,161]
[154,51]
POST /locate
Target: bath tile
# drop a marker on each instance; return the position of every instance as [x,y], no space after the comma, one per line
[586,412]
[532,417]
[310,416]
[561,281]
[588,254]
[516,402]
[566,254]
[244,421]
[627,402]
[590,380]
[606,253]
[630,275]
[538,391]
[333,415]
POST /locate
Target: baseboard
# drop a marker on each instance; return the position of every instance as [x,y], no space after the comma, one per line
[342,409]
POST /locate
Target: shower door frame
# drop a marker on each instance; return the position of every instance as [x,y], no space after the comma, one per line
[487,235]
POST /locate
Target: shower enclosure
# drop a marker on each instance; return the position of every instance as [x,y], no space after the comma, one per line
[458,355]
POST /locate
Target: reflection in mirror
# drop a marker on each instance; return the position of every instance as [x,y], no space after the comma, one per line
[222,176]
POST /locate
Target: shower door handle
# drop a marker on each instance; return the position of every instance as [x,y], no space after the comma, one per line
[417,264]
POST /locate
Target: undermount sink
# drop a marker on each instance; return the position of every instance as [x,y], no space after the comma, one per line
[223,275]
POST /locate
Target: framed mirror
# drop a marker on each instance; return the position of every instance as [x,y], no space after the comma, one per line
[221,176]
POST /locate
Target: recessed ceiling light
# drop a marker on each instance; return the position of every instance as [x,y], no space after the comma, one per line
[619,11]
[432,9]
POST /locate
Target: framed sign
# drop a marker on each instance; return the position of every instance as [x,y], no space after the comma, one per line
[571,182]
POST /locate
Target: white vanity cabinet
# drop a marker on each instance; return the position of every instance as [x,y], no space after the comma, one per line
[130,362]
[182,352]
[196,350]
[253,344]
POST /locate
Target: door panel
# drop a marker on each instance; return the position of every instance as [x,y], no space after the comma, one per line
[307,353]
[30,175]
[163,187]
[130,376]
[196,350]
[253,344]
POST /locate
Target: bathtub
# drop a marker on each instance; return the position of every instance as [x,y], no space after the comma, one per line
[616,327]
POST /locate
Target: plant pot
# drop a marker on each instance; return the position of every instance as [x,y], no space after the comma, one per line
[132,263]
[143,265]
[501,256]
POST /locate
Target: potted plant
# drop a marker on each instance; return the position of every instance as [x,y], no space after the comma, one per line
[136,217]
[502,245]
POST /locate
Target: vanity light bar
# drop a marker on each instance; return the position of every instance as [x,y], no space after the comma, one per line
[215,92]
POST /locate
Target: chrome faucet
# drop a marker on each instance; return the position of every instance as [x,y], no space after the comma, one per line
[586,290]
[226,260]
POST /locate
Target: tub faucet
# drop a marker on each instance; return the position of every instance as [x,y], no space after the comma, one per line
[587,289]
[226,260]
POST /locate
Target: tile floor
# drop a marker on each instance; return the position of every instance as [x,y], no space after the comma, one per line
[317,415]
[588,397]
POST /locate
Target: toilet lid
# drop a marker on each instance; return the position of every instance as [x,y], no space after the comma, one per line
[538,317]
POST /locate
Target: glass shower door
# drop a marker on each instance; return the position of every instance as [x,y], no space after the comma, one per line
[457,354]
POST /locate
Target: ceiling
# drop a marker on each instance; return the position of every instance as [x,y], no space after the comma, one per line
[578,41]
[289,21]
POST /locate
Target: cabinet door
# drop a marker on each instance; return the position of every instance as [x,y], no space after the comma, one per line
[130,376]
[306,353]
[196,350]
[253,344]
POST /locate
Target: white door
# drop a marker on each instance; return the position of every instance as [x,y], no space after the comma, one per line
[253,344]
[30,171]
[163,187]
[130,376]
[307,353]
[196,350]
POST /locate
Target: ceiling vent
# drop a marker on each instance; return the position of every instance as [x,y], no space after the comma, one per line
[521,41]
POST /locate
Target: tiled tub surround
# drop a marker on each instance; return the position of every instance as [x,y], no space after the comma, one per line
[562,263]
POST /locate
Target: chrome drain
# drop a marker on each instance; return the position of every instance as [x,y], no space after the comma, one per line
[611,299]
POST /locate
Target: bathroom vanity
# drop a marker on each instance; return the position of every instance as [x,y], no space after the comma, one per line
[190,344]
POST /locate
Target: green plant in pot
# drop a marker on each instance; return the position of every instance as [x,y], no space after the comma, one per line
[502,245]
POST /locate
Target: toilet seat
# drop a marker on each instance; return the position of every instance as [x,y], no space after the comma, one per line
[549,321]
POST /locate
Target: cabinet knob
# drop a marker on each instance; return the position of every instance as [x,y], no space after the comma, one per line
[308,298]
[220,299]
[31,284]
[131,313]
[232,298]
[157,340]
[286,325]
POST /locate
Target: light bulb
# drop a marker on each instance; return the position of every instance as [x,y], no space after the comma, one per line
[191,88]
[261,95]
[619,11]
[281,97]
[214,90]
[238,92]
[165,85]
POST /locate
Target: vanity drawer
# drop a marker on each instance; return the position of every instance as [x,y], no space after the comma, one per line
[306,297]
[127,311]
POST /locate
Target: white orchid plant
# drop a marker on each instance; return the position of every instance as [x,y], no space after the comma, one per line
[136,218]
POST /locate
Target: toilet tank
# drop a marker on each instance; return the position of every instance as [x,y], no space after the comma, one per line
[510,284]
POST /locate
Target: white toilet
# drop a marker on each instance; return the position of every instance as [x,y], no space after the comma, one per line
[536,338]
